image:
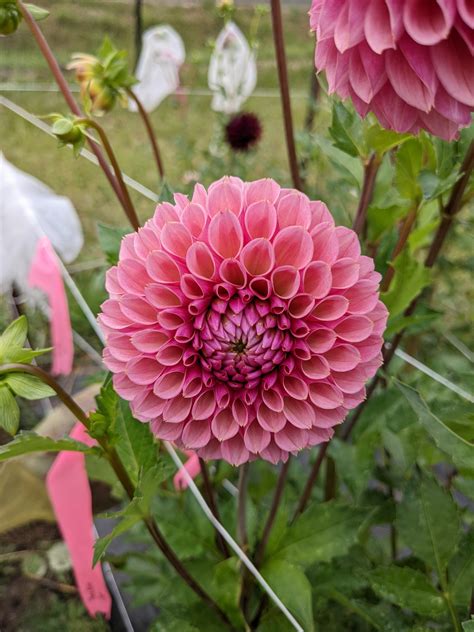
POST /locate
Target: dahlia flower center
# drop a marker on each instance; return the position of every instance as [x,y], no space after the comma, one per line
[241,342]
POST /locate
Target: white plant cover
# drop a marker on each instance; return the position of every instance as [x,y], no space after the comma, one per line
[232,74]
[28,211]
[157,70]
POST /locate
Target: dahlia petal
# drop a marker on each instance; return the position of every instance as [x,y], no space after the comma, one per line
[260,287]
[177,409]
[291,438]
[342,358]
[406,83]
[285,281]
[224,195]
[162,268]
[440,126]
[234,451]
[293,246]
[194,218]
[366,72]
[362,297]
[265,189]
[349,29]
[295,387]
[193,383]
[369,348]
[261,219]
[325,243]
[271,420]
[146,241]
[200,261]
[299,413]
[225,235]
[163,297]
[419,59]
[127,248]
[112,363]
[256,438]
[377,27]
[316,368]
[149,340]
[233,272]
[330,308]
[325,395]
[170,355]
[171,319]
[143,370]
[196,434]
[164,213]
[350,381]
[258,257]
[429,22]
[181,202]
[169,384]
[111,282]
[176,239]
[345,273]
[378,316]
[224,426]
[137,310]
[194,289]
[317,279]
[352,400]
[273,399]
[465,30]
[349,245]
[120,346]
[321,340]
[166,431]
[240,412]
[147,406]
[293,210]
[273,453]
[354,328]
[393,112]
[125,387]
[328,418]
[300,305]
[452,110]
[316,436]
[204,406]
[199,195]
[132,277]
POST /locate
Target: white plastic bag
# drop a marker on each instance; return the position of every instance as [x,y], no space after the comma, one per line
[232,75]
[30,210]
[157,71]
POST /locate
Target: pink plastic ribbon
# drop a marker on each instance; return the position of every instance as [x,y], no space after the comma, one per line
[193,468]
[46,275]
[70,495]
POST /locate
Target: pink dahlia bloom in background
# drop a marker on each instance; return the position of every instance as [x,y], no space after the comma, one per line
[410,62]
[243,323]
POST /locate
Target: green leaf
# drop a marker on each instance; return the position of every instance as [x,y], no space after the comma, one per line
[345,130]
[432,539]
[62,126]
[103,419]
[22,356]
[13,336]
[28,386]
[110,238]
[27,442]
[382,140]
[407,588]
[292,586]
[323,532]
[411,276]
[9,411]
[456,447]
[166,193]
[461,571]
[37,13]
[408,166]
[468,626]
[136,445]
[101,544]
[433,186]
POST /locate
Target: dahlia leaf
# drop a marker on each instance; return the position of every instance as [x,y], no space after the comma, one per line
[383,140]
[461,571]
[103,419]
[136,444]
[28,386]
[345,131]
[14,335]
[411,276]
[460,450]
[468,626]
[27,442]
[409,164]
[101,544]
[321,533]
[9,411]
[166,193]
[110,238]
[418,522]
[293,587]
[37,13]
[407,588]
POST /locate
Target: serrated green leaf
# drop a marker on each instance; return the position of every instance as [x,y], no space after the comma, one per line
[456,447]
[13,336]
[27,442]
[9,411]
[22,356]
[382,140]
[468,626]
[418,521]
[292,586]
[408,166]
[37,13]
[323,532]
[101,544]
[346,130]
[407,588]
[136,445]
[28,386]
[461,571]
[110,238]
[410,278]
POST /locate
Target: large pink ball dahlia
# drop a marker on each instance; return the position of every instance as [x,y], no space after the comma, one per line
[242,323]
[410,62]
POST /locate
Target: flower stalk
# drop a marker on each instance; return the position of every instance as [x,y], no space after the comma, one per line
[211,501]
[370,174]
[122,475]
[279,41]
[149,130]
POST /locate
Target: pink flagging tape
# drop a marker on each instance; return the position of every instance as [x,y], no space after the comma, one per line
[193,468]
[46,275]
[70,495]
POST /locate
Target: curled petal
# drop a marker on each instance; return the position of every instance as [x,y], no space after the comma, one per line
[293,247]
[225,235]
[261,219]
[200,261]
[258,257]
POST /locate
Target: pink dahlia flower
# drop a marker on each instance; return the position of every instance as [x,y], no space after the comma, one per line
[410,62]
[242,323]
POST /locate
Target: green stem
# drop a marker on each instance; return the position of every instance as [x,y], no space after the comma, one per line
[122,475]
[129,208]
[149,131]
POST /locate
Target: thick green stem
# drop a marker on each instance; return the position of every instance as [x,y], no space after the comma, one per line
[122,475]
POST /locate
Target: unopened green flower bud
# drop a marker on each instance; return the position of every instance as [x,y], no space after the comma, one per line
[10,17]
[102,97]
[69,132]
